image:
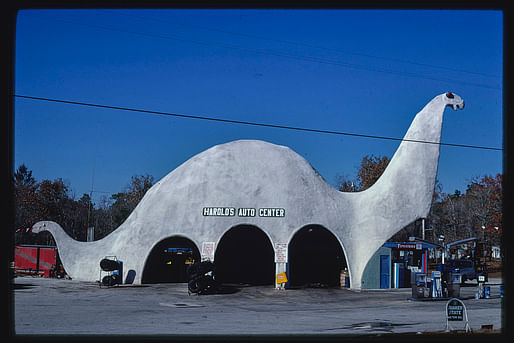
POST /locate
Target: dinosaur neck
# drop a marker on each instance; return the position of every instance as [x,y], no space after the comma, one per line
[426,126]
[403,193]
[407,184]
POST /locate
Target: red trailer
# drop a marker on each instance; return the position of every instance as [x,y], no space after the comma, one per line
[40,260]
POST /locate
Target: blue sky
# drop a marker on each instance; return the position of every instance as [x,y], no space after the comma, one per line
[360,71]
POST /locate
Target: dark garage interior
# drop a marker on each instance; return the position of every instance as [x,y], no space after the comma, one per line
[245,255]
[315,258]
[169,259]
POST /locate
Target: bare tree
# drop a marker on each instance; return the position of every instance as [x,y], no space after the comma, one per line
[126,201]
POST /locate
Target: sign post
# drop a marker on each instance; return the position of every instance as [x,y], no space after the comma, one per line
[456,311]
[280,265]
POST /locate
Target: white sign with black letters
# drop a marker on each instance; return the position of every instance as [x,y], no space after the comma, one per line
[456,311]
[270,212]
[208,251]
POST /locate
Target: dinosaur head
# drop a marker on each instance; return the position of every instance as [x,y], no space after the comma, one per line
[38,227]
[453,100]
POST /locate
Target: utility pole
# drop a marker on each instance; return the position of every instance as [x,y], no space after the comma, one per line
[90,234]
[91,230]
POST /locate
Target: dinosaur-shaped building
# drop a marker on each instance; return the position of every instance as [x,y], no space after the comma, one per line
[255,184]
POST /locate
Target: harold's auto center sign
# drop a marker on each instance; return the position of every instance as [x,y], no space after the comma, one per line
[243,212]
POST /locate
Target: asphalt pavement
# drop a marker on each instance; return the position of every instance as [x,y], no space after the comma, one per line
[68,307]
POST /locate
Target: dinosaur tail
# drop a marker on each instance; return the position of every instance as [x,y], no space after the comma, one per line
[70,250]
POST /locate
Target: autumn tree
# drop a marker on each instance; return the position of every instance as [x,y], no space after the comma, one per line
[370,170]
[476,213]
[448,217]
[46,200]
[25,186]
[53,200]
[484,203]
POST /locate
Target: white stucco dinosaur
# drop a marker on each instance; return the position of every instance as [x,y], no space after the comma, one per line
[257,174]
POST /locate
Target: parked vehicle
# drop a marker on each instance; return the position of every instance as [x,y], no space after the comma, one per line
[467,268]
[38,260]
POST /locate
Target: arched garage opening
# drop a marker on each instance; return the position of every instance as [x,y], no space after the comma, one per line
[169,259]
[315,257]
[245,255]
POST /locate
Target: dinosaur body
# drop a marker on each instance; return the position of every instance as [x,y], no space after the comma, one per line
[286,193]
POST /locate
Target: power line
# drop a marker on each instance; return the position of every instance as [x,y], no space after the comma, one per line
[285,55]
[307,45]
[241,122]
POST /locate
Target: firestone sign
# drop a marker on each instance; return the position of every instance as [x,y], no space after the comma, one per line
[409,246]
[243,212]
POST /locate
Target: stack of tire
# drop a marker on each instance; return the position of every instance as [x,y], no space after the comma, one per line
[108,265]
[200,278]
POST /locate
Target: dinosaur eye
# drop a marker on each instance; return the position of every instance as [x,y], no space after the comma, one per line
[449,95]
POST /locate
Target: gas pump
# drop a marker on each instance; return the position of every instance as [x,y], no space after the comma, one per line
[419,284]
[436,290]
